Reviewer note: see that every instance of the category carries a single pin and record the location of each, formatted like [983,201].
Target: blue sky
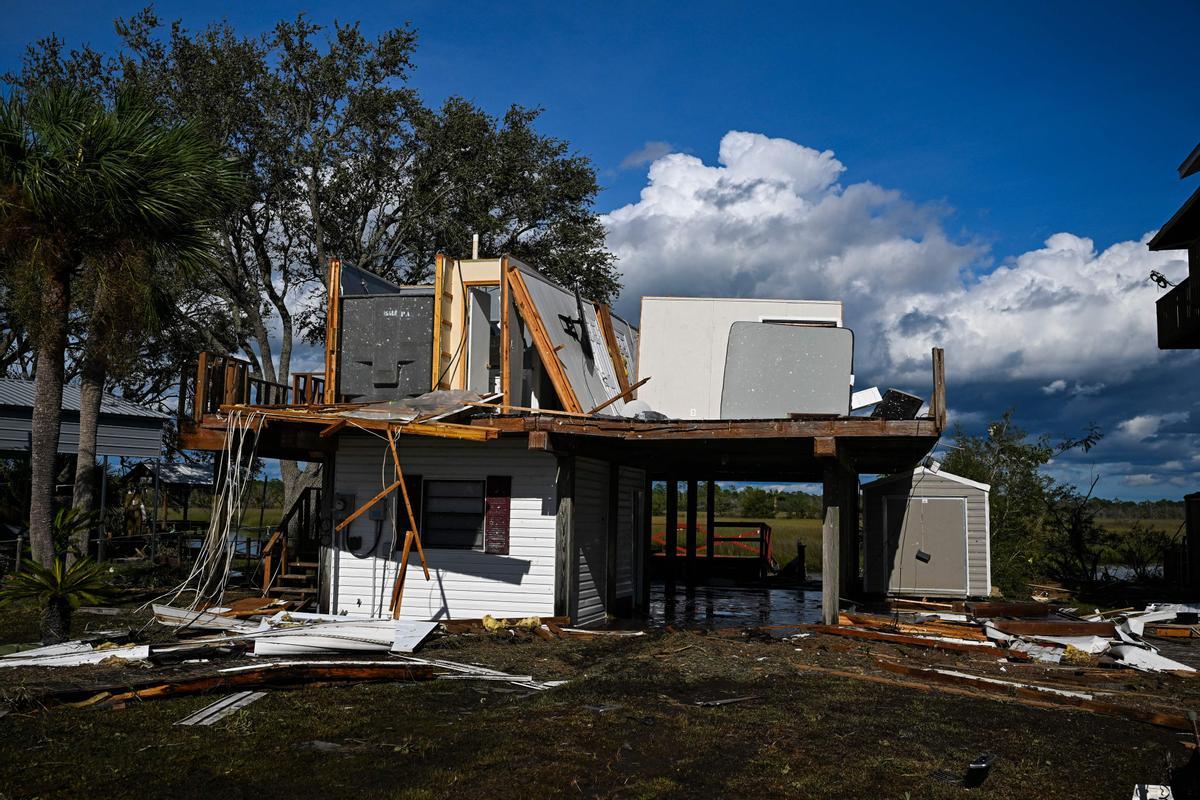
[963,137]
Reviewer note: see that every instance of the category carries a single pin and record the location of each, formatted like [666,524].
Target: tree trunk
[91,390]
[56,621]
[47,412]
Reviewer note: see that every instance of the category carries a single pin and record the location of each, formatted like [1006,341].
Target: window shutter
[495,521]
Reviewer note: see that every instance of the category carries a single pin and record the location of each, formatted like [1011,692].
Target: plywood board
[773,370]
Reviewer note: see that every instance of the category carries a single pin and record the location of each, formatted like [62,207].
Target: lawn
[625,726]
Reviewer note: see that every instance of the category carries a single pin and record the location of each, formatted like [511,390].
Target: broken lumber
[1000,609]
[1052,628]
[1045,696]
[915,641]
[279,674]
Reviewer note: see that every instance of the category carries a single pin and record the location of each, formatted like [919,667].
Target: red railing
[752,540]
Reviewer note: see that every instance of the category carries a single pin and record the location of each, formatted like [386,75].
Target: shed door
[928,539]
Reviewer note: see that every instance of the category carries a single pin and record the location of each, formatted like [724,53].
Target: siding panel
[464,583]
[591,540]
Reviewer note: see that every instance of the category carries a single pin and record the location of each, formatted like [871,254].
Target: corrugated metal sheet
[465,584]
[19,394]
[133,437]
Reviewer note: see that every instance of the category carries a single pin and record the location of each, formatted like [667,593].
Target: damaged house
[488,443]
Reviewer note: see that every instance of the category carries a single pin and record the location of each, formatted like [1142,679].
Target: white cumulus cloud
[773,218]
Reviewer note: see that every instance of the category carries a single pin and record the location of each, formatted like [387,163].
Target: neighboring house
[1179,322]
[125,428]
[526,456]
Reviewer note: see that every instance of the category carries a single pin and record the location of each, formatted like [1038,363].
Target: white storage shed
[927,534]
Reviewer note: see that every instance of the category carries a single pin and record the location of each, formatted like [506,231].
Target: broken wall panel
[576,340]
[774,370]
[684,341]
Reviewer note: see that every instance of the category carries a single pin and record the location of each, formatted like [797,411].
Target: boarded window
[454,514]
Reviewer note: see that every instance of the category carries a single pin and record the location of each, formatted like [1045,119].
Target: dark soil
[626,725]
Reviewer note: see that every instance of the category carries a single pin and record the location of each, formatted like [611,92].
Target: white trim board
[921,471]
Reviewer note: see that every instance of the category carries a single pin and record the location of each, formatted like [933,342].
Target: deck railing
[221,380]
[1179,317]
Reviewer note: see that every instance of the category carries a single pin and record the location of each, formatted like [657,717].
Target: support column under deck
[671,543]
[692,503]
[839,532]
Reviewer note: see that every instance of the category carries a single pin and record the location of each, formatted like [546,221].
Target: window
[453,514]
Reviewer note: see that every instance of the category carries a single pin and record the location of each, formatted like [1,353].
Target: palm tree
[85,184]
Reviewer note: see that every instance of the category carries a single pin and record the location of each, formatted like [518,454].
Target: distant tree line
[747,501]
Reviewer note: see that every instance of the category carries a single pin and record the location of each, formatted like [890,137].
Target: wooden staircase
[291,566]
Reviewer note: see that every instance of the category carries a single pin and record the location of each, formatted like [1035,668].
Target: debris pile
[1031,632]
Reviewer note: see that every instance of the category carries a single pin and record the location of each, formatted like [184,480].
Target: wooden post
[937,403]
[831,547]
[333,327]
[505,345]
[692,503]
[848,533]
[672,531]
[200,391]
[647,522]
[710,523]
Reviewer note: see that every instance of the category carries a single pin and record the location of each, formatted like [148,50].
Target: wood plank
[937,405]
[505,344]
[438,321]
[621,396]
[916,641]
[412,520]
[1001,609]
[1052,628]
[616,427]
[333,329]
[365,507]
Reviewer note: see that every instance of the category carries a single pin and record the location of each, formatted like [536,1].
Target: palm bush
[59,589]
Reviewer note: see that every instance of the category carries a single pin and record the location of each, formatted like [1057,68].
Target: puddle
[732,607]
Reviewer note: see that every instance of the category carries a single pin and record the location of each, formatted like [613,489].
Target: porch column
[710,525]
[672,531]
[692,503]
[839,534]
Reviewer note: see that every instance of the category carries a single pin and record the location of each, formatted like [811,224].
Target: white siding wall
[591,540]
[465,584]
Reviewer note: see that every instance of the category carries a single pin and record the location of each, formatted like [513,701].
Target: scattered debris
[222,708]
[727,701]
[74,654]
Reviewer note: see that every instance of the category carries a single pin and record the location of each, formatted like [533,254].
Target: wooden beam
[604,317]
[541,339]
[937,405]
[438,321]
[333,428]
[622,396]
[366,506]
[333,329]
[414,529]
[401,574]
[825,447]
[505,344]
[642,430]
[539,440]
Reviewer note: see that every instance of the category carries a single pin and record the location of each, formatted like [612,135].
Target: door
[927,537]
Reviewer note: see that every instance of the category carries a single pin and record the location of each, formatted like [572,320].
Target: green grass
[1169,526]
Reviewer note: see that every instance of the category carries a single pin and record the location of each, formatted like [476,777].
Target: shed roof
[17,393]
[924,471]
[1180,230]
